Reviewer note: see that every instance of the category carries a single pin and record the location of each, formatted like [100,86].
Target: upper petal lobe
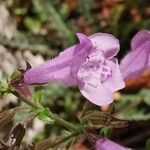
[136,61]
[106,43]
[140,38]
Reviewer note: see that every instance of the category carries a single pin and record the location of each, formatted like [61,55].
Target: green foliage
[15,74]
[60,23]
[106,132]
[22,115]
[147,145]
[44,114]
[20,11]
[32,24]
[145,94]
[65,97]
[3,89]
[134,106]
[38,97]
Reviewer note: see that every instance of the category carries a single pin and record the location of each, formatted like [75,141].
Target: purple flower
[106,144]
[138,60]
[92,67]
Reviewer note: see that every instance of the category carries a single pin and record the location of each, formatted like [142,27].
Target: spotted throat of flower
[95,69]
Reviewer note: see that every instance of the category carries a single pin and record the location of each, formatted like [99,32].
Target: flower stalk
[55,117]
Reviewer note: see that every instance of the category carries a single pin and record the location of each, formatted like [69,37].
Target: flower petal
[136,61]
[102,93]
[81,52]
[106,144]
[98,95]
[115,82]
[59,68]
[140,38]
[107,43]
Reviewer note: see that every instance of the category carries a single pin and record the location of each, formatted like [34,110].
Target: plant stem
[27,101]
[56,118]
[63,122]
[64,139]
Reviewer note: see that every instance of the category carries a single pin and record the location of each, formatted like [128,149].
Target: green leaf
[106,131]
[147,145]
[20,11]
[134,107]
[15,74]
[2,86]
[145,94]
[20,115]
[3,89]
[32,24]
[38,97]
[44,114]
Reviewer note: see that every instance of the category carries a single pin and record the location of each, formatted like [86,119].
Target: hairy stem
[56,118]
[61,121]
[26,100]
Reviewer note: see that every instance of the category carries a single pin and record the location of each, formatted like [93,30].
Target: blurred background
[37,30]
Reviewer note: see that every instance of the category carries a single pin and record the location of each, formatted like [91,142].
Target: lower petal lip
[97,95]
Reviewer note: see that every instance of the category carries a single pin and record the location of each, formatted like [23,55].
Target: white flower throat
[95,69]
